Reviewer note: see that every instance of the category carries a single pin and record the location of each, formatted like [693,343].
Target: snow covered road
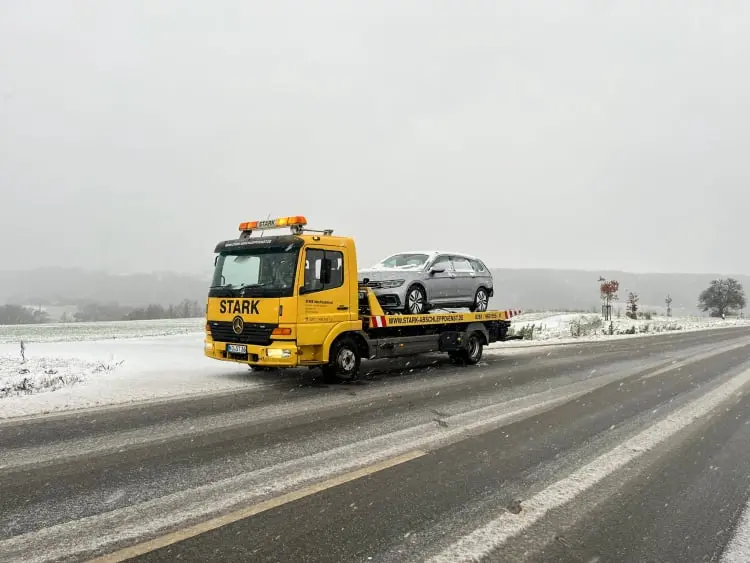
[558,453]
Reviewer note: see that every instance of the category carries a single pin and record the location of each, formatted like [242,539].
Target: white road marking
[676,365]
[738,549]
[483,541]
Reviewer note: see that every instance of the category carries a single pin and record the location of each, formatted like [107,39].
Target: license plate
[236,349]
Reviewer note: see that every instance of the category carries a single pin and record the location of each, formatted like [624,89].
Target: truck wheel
[416,301]
[474,349]
[471,353]
[344,360]
[481,301]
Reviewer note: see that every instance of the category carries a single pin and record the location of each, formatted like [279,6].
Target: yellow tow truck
[295,300]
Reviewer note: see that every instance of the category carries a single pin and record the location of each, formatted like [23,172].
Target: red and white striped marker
[378,321]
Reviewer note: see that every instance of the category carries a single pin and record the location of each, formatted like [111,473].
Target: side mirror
[437,270]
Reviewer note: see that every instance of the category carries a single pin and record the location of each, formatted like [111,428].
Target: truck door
[323,296]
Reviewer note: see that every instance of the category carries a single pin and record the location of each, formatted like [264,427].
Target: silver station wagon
[415,282]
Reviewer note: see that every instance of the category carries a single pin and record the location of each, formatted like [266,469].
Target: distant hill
[529,289]
[541,289]
[67,286]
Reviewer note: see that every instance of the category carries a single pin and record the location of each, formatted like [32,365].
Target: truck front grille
[252,333]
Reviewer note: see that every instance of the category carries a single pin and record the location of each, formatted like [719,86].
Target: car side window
[324,269]
[443,262]
[462,264]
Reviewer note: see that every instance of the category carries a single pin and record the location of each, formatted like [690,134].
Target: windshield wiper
[241,286]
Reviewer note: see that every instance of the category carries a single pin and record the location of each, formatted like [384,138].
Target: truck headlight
[390,284]
[278,353]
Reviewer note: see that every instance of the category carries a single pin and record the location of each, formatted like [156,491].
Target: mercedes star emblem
[237,325]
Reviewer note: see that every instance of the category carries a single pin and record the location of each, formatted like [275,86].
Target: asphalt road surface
[628,450]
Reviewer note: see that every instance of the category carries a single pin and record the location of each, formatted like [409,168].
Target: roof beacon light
[296,223]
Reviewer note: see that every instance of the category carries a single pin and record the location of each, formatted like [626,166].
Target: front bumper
[280,353]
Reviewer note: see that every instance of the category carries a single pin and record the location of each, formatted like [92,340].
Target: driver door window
[324,269]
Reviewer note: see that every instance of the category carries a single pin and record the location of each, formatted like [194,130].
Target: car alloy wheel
[481,301]
[415,301]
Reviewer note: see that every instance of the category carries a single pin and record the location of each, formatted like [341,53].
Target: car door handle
[342,307]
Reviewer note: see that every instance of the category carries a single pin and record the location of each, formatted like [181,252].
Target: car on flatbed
[295,300]
[416,282]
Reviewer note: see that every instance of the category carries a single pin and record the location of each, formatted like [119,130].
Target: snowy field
[562,327]
[99,331]
[71,366]
[95,364]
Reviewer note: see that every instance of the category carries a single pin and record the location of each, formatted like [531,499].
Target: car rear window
[478,266]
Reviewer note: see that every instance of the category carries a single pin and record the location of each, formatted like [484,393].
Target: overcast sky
[135,134]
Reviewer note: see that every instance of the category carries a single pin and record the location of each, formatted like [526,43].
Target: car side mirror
[437,270]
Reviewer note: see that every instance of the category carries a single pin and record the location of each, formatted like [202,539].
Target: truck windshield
[255,273]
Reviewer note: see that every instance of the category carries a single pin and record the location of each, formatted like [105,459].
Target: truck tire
[415,301]
[344,360]
[471,354]
[481,301]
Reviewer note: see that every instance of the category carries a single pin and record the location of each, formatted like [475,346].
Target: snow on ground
[563,327]
[99,331]
[70,366]
[117,363]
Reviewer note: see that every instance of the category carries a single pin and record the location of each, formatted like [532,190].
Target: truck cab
[281,300]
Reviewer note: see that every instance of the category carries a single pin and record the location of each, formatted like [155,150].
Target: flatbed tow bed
[290,301]
[461,335]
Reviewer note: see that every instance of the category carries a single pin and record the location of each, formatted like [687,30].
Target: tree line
[99,312]
[18,315]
